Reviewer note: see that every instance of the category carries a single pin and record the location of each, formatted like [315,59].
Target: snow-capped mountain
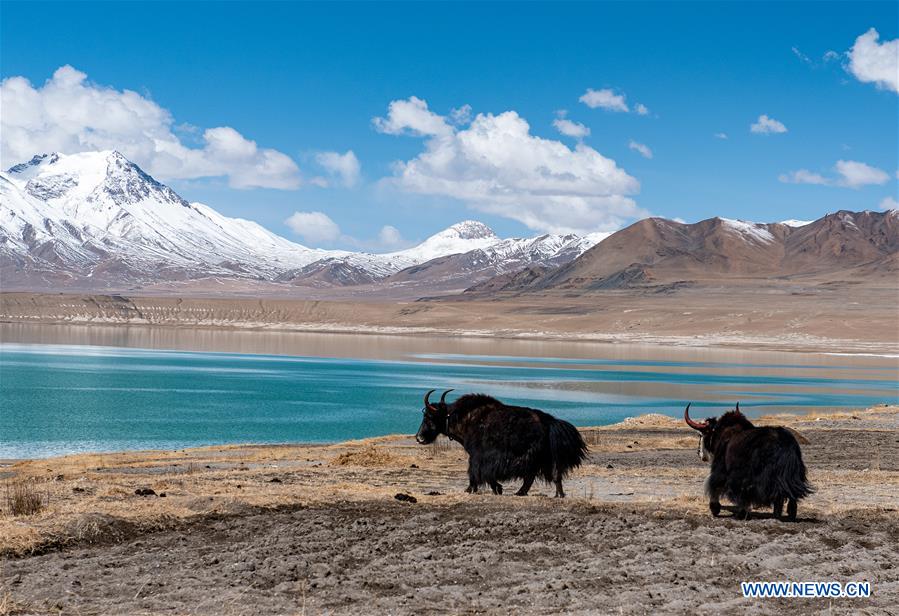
[464,253]
[460,238]
[500,257]
[76,213]
[362,268]
[96,217]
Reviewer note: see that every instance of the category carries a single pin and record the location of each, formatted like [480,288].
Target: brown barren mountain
[655,251]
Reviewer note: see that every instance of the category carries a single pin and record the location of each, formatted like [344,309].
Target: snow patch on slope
[750,230]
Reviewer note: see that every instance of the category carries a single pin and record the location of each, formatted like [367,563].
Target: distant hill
[656,251]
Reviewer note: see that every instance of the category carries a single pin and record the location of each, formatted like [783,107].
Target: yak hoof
[521,493]
[497,488]
[791,510]
[741,514]
[471,490]
[715,508]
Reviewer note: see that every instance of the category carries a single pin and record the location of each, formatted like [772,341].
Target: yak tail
[791,478]
[566,446]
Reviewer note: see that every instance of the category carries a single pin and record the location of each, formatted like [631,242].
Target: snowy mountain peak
[73,180]
[127,183]
[461,237]
[29,168]
[469,230]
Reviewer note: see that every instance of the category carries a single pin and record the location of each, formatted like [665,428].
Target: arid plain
[782,315]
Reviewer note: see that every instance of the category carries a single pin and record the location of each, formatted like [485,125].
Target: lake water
[67,389]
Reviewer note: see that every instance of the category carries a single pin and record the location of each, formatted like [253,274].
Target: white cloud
[609,100]
[829,56]
[605,98]
[412,116]
[461,115]
[803,176]
[720,135]
[889,203]
[855,174]
[495,165]
[847,174]
[873,62]
[313,227]
[70,114]
[390,236]
[644,150]
[571,129]
[765,126]
[802,57]
[568,127]
[345,166]
[318,228]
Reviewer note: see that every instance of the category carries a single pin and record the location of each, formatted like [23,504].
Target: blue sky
[303,79]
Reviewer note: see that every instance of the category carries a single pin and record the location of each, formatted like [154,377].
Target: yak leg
[714,501]
[496,487]
[528,482]
[791,510]
[473,480]
[743,511]
[714,487]
[560,493]
[778,507]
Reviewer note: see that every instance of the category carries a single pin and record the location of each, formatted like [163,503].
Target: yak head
[433,422]
[714,430]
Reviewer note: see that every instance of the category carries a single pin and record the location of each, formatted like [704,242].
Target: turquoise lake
[65,398]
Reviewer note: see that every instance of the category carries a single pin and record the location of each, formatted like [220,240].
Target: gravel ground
[328,536]
[487,555]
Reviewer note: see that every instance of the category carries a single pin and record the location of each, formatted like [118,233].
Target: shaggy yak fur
[751,467]
[504,442]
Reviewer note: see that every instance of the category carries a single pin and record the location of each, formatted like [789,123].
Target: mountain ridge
[96,218]
[657,251]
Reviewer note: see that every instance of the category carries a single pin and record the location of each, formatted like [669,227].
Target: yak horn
[738,409]
[694,424]
[428,405]
[443,397]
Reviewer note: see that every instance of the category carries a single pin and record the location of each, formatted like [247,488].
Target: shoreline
[779,344]
[773,320]
[643,419]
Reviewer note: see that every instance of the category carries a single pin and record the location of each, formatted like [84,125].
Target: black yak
[504,442]
[752,467]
